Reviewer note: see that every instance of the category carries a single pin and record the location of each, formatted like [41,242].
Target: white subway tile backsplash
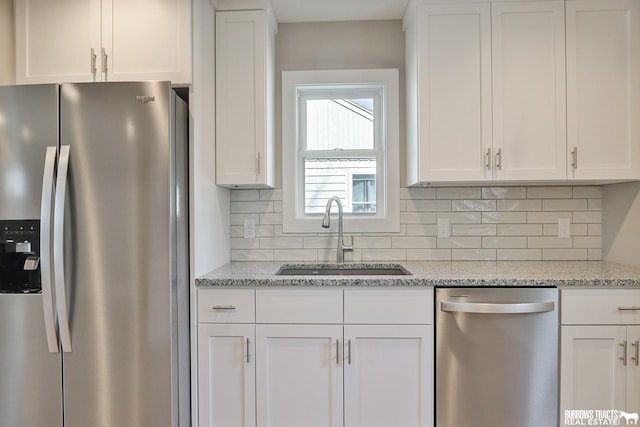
[428,254]
[473,254]
[488,223]
[519,254]
[549,192]
[587,192]
[504,217]
[519,229]
[251,207]
[518,205]
[458,192]
[564,255]
[504,192]
[564,205]
[459,242]
[504,242]
[428,205]
[473,205]
[417,193]
[414,242]
[473,230]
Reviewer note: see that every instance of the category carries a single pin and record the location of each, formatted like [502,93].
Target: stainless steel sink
[342,270]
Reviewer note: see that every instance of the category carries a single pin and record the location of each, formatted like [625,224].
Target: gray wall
[7,44]
[338,45]
[621,223]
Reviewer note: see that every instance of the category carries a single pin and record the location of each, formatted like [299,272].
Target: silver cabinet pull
[349,347]
[487,157]
[93,61]
[223,307]
[574,158]
[337,352]
[628,308]
[499,159]
[248,352]
[624,353]
[489,308]
[104,61]
[636,357]
[259,160]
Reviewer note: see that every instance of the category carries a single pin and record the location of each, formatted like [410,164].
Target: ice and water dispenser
[20,256]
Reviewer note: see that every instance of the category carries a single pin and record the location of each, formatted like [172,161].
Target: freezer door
[30,376]
[28,124]
[120,257]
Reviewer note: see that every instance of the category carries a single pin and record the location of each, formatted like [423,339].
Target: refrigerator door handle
[497,308]
[45,249]
[58,249]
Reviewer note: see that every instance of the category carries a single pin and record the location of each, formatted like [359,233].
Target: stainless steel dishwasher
[496,357]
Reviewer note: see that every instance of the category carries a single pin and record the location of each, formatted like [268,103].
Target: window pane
[364,193]
[339,123]
[352,180]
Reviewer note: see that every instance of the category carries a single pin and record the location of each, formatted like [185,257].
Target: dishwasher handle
[497,308]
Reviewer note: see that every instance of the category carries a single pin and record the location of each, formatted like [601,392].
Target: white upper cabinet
[245,98]
[603,89]
[529,108]
[485,91]
[448,53]
[108,40]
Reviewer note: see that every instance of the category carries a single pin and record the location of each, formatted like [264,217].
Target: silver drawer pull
[223,307]
[631,308]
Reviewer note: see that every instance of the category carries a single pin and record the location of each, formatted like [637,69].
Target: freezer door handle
[58,248]
[45,249]
[497,308]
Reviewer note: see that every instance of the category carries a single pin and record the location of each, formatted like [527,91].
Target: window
[340,138]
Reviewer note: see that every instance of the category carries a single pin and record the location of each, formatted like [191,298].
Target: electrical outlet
[564,227]
[443,228]
[249,229]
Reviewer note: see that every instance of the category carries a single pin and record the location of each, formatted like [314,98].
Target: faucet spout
[326,223]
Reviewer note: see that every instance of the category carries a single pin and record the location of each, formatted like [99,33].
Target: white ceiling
[338,10]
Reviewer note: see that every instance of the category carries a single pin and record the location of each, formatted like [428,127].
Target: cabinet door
[388,375]
[633,369]
[299,375]
[244,98]
[226,374]
[592,372]
[147,40]
[54,40]
[529,108]
[454,92]
[603,88]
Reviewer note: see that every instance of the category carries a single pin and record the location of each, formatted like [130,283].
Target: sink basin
[342,270]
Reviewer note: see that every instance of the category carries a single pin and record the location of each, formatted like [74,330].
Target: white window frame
[387,216]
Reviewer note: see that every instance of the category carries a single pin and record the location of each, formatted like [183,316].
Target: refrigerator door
[120,257]
[30,376]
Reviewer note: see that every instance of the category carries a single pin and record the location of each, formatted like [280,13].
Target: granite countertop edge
[437,273]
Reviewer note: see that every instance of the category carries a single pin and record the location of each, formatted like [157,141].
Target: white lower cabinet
[226,370]
[299,375]
[600,345]
[388,375]
[328,367]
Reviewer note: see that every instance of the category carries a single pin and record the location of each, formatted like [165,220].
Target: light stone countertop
[438,273]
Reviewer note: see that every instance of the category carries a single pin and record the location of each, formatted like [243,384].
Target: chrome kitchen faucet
[326,223]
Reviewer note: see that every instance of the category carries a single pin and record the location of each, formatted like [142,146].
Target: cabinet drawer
[388,306]
[600,306]
[299,306]
[226,306]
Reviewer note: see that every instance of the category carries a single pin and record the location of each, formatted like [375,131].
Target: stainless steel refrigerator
[93,256]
